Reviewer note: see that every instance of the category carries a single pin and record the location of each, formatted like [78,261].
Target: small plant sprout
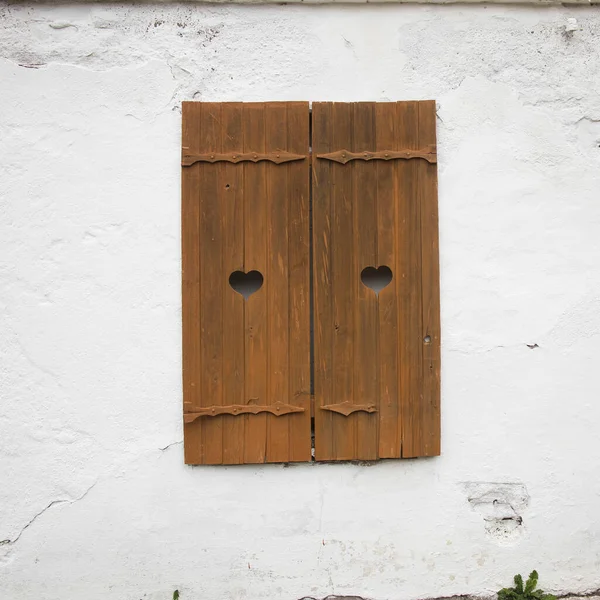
[527,592]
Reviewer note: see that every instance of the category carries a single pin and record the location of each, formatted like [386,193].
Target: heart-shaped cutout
[246,283]
[376,278]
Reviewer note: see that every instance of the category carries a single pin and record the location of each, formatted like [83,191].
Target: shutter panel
[377,355]
[246,366]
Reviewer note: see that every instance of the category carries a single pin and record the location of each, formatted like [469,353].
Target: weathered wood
[236,351]
[366,340]
[409,276]
[387,254]
[343,280]
[377,354]
[322,127]
[375,214]
[211,293]
[430,291]
[298,194]
[190,288]
[277,277]
[255,254]
[232,184]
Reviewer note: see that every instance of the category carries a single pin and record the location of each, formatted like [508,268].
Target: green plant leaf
[519,584]
[527,592]
[531,582]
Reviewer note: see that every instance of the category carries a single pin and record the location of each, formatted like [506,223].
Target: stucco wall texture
[95,501]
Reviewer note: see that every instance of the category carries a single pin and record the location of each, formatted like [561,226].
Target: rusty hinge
[346,408]
[187,160]
[344,156]
[277,409]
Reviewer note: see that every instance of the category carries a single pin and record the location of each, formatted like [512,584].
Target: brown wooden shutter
[245,195]
[377,356]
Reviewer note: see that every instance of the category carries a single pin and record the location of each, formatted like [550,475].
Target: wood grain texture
[366,353]
[430,293]
[322,127]
[211,296]
[344,279]
[190,288]
[387,254]
[373,349]
[232,184]
[236,351]
[409,315]
[298,194]
[255,254]
[322,183]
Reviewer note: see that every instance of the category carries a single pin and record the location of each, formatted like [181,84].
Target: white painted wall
[95,501]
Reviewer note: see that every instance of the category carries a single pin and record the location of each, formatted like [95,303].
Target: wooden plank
[430,333]
[231,183]
[409,282]
[387,214]
[344,279]
[365,243]
[299,265]
[211,288]
[323,302]
[255,258]
[190,292]
[277,291]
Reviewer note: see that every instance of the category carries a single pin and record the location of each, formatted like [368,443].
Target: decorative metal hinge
[344,156]
[346,408]
[187,160]
[277,409]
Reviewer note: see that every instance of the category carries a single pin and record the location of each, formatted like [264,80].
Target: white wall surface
[95,501]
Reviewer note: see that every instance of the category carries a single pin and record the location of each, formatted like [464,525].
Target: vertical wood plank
[387,194]
[232,207]
[365,240]
[430,333]
[344,279]
[190,293]
[299,265]
[211,288]
[277,259]
[255,255]
[323,302]
[409,282]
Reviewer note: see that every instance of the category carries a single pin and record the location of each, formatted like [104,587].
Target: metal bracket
[344,156]
[277,409]
[346,408]
[187,160]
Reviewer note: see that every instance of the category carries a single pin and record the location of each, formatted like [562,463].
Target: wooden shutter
[377,356]
[245,195]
